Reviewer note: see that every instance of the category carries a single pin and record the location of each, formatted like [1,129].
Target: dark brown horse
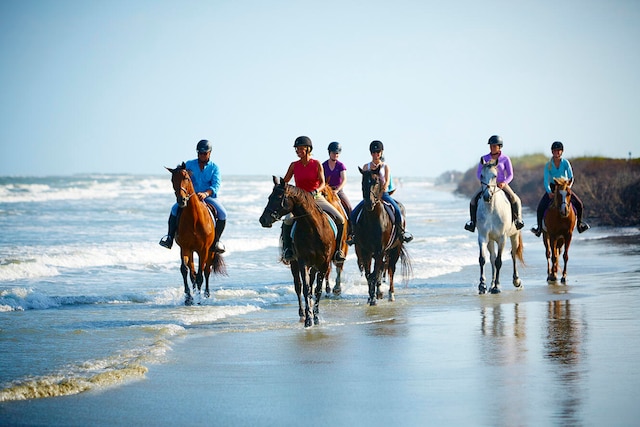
[376,239]
[557,229]
[314,243]
[196,232]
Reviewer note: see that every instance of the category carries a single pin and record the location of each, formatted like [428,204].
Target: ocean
[90,301]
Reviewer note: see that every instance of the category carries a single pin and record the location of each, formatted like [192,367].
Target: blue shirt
[550,172]
[205,179]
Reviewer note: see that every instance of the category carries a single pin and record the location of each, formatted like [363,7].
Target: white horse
[495,224]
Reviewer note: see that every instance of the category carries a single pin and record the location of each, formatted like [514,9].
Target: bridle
[489,187]
[374,192]
[183,200]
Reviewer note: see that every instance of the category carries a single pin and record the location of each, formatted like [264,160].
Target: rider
[309,176]
[505,175]
[558,167]
[205,176]
[376,148]
[335,174]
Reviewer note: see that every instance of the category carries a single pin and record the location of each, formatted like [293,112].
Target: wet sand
[547,355]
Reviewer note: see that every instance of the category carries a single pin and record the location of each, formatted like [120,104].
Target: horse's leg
[379,269]
[496,263]
[207,273]
[482,287]
[297,284]
[337,288]
[188,299]
[514,245]
[307,292]
[565,256]
[547,251]
[555,250]
[391,271]
[316,306]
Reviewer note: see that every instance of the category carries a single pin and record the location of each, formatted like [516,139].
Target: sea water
[88,299]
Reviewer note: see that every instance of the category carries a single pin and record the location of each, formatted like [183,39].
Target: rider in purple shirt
[505,176]
[335,174]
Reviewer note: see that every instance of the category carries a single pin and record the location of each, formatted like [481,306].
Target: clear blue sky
[110,86]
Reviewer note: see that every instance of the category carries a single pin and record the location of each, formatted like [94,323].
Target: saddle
[388,207]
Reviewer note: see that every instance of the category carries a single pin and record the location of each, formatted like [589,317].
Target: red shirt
[306,177]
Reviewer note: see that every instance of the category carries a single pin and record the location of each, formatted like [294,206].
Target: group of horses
[376,241]
[378,244]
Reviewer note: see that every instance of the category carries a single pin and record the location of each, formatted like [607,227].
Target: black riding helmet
[303,141]
[334,147]
[204,146]
[375,146]
[557,146]
[495,140]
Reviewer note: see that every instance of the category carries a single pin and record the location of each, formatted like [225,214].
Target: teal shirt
[551,172]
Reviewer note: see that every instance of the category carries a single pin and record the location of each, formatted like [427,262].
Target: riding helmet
[557,146]
[303,141]
[495,140]
[204,146]
[375,146]
[335,147]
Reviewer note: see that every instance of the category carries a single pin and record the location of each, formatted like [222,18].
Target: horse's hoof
[337,290]
[207,294]
[482,290]
[563,280]
[517,283]
[308,323]
[316,320]
[379,295]
[372,302]
[188,301]
[495,290]
[392,297]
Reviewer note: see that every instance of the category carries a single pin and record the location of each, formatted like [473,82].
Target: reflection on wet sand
[563,348]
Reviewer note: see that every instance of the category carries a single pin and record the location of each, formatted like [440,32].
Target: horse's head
[182,185]
[562,196]
[371,187]
[489,180]
[278,204]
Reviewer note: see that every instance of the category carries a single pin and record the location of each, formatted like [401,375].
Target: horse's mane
[306,199]
[562,182]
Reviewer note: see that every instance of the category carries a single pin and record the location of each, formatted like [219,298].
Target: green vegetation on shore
[609,188]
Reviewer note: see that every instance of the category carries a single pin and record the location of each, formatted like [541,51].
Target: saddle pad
[388,207]
[331,223]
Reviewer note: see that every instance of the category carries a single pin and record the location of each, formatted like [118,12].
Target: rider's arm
[320,178]
[289,173]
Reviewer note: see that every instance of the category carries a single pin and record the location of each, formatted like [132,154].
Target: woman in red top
[309,176]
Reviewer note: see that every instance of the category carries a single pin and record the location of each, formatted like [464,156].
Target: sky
[131,86]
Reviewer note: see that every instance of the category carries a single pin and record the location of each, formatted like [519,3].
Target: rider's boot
[287,243]
[167,241]
[406,237]
[582,226]
[339,255]
[218,247]
[471,225]
[519,223]
[536,230]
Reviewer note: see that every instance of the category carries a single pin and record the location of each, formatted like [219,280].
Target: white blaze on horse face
[563,206]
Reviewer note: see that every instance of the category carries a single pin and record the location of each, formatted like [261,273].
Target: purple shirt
[505,170]
[332,177]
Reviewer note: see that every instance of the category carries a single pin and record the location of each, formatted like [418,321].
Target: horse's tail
[519,251]
[218,265]
[406,269]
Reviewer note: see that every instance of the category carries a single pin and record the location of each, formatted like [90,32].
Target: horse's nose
[265,222]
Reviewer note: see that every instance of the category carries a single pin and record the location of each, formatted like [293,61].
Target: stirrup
[351,239]
[537,231]
[519,224]
[339,256]
[583,226]
[166,242]
[470,226]
[218,248]
[287,255]
[407,237]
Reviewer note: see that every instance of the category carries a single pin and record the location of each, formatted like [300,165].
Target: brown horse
[196,232]
[557,229]
[314,243]
[376,239]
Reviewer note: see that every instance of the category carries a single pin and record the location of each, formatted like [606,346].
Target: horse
[376,239]
[314,243]
[195,233]
[495,225]
[557,229]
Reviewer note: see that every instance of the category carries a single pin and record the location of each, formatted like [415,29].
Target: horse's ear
[360,169]
[169,169]
[482,162]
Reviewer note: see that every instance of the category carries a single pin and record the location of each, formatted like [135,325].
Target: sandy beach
[547,355]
